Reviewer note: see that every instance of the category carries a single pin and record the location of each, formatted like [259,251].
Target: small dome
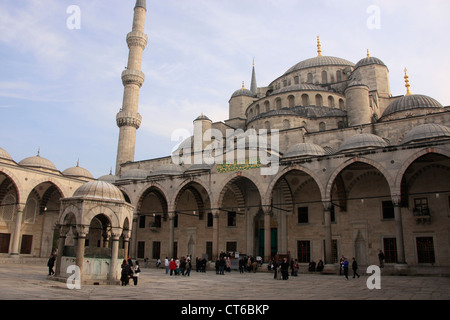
[426,131]
[304,149]
[4,154]
[243,92]
[368,61]
[134,174]
[168,169]
[409,102]
[77,172]
[363,140]
[38,162]
[99,190]
[320,61]
[110,178]
[202,117]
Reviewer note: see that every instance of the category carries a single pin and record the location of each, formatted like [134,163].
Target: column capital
[327,204]
[396,199]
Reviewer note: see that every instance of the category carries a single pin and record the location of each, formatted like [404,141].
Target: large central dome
[320,61]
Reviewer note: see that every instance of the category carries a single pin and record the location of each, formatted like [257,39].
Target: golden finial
[368,53]
[319,47]
[243,86]
[253,61]
[407,85]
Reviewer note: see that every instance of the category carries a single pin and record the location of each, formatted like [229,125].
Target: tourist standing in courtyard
[137,271]
[345,268]
[354,268]
[166,264]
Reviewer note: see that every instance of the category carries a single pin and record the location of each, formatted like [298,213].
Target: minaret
[253,85]
[128,119]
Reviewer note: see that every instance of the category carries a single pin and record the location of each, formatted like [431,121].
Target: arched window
[324,77]
[331,101]
[286,124]
[296,80]
[319,100]
[278,103]
[341,125]
[8,207]
[291,101]
[257,111]
[30,211]
[267,106]
[305,100]
[341,104]
[339,75]
[267,125]
[250,114]
[310,78]
[322,126]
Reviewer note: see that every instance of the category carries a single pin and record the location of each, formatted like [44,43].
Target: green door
[273,242]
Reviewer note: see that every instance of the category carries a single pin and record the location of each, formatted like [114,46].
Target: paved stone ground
[29,282]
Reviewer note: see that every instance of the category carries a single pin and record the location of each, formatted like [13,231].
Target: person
[222,264]
[354,268]
[126,273]
[173,267]
[320,266]
[312,266]
[136,272]
[381,258]
[188,267]
[158,263]
[217,265]
[183,266]
[51,264]
[341,262]
[241,265]
[285,269]
[345,268]
[166,264]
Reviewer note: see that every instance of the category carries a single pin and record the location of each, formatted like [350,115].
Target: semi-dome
[304,149]
[320,61]
[99,190]
[4,154]
[369,61]
[362,141]
[38,162]
[78,172]
[426,131]
[410,102]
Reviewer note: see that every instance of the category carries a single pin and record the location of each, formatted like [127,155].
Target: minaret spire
[128,119]
[407,85]
[253,85]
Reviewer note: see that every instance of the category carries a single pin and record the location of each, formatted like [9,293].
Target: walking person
[341,262]
[354,268]
[137,271]
[51,264]
[381,258]
[126,273]
[285,269]
[345,268]
[166,264]
[188,267]
[173,267]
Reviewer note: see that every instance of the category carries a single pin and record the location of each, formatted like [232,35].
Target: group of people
[130,271]
[344,266]
[178,267]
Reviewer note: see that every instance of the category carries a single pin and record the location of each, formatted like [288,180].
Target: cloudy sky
[60,85]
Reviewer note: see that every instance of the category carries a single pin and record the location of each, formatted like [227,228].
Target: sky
[61,63]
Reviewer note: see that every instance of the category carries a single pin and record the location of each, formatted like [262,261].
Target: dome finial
[407,85]
[368,53]
[39,152]
[243,85]
[319,47]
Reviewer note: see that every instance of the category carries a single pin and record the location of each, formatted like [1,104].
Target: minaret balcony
[135,77]
[137,39]
[129,119]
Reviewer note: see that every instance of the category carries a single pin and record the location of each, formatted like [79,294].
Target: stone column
[328,232]
[114,254]
[267,234]
[82,232]
[61,242]
[215,240]
[126,242]
[396,200]
[133,243]
[17,231]
[171,234]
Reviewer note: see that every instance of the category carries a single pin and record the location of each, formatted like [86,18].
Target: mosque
[319,163]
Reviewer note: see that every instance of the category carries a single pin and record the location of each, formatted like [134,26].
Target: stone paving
[29,282]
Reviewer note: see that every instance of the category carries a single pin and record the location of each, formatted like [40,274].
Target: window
[339,75]
[156,252]
[334,251]
[209,249]
[296,80]
[324,77]
[303,215]
[291,101]
[267,106]
[425,250]
[319,100]
[390,250]
[8,207]
[30,211]
[278,103]
[141,222]
[210,221]
[305,100]
[26,245]
[331,102]
[388,210]
[304,251]
[286,124]
[157,221]
[322,126]
[231,219]
[310,78]
[232,246]
[141,250]
[4,242]
[175,221]
[421,207]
